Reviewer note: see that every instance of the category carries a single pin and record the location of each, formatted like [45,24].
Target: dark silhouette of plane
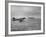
[18,19]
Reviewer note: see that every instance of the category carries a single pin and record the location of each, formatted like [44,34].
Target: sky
[21,11]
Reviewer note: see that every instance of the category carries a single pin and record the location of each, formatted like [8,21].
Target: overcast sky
[17,11]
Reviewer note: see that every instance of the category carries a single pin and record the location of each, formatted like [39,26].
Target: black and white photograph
[25,18]
[22,18]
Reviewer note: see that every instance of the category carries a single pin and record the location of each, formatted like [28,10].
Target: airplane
[18,19]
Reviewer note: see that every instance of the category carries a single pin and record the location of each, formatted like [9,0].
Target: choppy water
[26,25]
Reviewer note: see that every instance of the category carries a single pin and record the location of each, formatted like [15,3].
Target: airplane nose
[13,19]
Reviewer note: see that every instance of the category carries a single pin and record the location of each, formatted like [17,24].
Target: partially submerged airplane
[18,19]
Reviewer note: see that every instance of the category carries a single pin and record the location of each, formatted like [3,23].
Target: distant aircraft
[18,19]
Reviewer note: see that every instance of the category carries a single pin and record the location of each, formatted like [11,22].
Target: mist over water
[20,11]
